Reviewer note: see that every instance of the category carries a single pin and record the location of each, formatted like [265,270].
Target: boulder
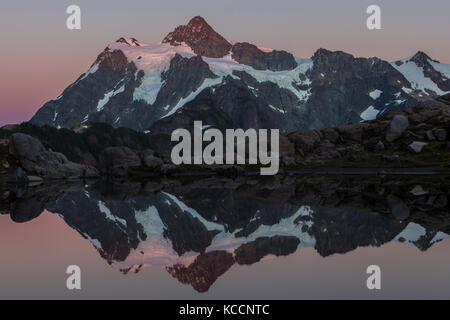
[36,160]
[305,141]
[330,134]
[417,146]
[430,135]
[353,132]
[115,161]
[397,126]
[440,134]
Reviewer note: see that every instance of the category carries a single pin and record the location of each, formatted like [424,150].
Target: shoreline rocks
[40,163]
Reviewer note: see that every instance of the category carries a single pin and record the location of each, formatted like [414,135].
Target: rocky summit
[201,37]
[197,74]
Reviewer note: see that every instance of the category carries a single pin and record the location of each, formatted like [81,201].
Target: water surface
[281,238]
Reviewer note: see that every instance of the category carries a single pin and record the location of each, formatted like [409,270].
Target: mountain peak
[131,41]
[201,37]
[421,58]
[198,21]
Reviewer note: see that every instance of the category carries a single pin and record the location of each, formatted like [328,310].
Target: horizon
[64,55]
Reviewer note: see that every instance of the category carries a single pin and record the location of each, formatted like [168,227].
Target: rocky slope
[197,72]
[414,137]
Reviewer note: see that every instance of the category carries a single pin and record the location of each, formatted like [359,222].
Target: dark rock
[36,160]
[352,132]
[17,176]
[150,160]
[287,148]
[430,135]
[204,271]
[249,54]
[330,134]
[201,37]
[379,146]
[305,141]
[115,161]
[441,201]
[326,150]
[440,134]
[254,251]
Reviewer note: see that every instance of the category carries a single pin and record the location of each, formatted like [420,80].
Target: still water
[278,238]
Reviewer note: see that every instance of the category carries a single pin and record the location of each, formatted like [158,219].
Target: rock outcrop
[31,155]
[115,161]
[201,37]
[251,55]
[414,137]
[204,271]
[396,128]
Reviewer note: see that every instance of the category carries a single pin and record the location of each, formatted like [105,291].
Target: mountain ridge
[126,85]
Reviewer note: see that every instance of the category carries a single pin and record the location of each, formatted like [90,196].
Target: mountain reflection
[198,230]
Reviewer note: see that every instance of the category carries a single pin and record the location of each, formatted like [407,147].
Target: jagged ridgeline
[197,74]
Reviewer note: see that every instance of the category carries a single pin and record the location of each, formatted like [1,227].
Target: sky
[39,56]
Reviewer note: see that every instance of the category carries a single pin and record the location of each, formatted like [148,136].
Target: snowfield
[154,59]
[415,75]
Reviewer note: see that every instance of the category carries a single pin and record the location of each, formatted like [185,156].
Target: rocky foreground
[414,138]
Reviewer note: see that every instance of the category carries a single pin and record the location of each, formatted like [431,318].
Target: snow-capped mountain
[427,77]
[196,74]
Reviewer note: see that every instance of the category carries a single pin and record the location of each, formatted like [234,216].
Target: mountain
[196,74]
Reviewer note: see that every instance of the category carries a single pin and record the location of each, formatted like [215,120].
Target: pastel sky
[39,56]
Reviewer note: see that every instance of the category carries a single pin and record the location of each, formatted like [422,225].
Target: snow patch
[411,233]
[102,102]
[209,225]
[206,83]
[375,94]
[369,114]
[276,109]
[103,208]
[441,68]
